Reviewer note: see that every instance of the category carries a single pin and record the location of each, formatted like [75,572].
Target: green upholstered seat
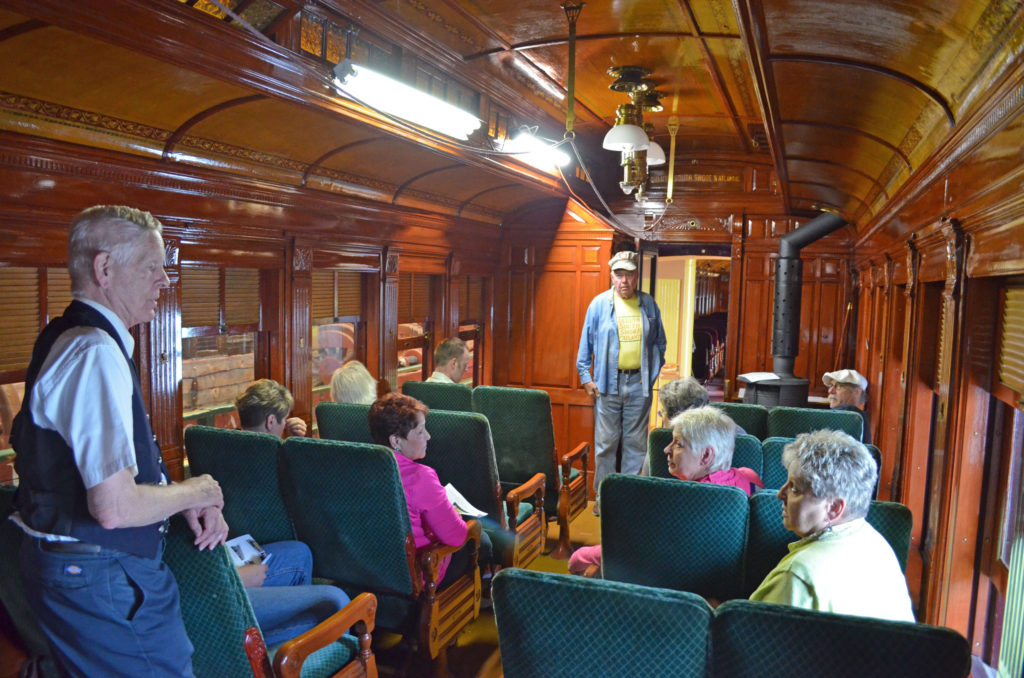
[344,421]
[747,453]
[461,452]
[524,445]
[767,539]
[674,534]
[12,594]
[753,418]
[348,505]
[440,396]
[217,612]
[876,454]
[790,422]
[562,625]
[754,639]
[895,522]
[657,462]
[774,474]
[246,466]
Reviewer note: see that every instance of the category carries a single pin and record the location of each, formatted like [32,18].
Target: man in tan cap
[623,340]
[848,390]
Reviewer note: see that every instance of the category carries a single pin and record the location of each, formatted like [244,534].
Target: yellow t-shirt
[631,331]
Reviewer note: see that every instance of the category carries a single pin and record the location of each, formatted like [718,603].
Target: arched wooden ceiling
[844,99]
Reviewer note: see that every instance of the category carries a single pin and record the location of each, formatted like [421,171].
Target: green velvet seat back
[349,507]
[12,593]
[674,534]
[876,454]
[214,604]
[524,436]
[245,464]
[747,453]
[774,474]
[461,452]
[894,522]
[657,441]
[562,625]
[753,418]
[790,422]
[754,639]
[768,540]
[344,421]
[439,396]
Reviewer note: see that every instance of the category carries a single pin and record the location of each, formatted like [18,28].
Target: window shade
[241,296]
[200,297]
[19,308]
[58,291]
[1011,349]
[336,294]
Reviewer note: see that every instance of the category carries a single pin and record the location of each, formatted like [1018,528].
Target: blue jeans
[287,605]
[621,416]
[107,614]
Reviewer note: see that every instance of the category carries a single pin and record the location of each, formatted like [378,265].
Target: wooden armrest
[581,453]
[430,557]
[592,571]
[533,486]
[360,612]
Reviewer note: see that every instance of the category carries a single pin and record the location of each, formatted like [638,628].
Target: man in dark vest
[94,493]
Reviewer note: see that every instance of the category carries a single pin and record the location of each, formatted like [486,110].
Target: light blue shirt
[599,343]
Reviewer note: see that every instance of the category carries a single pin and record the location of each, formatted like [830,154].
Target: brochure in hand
[245,551]
[461,504]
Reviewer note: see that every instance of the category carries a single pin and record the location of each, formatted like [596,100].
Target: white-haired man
[848,390]
[94,494]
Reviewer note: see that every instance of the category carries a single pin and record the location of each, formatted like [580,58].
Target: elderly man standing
[450,359]
[623,340]
[94,493]
[848,390]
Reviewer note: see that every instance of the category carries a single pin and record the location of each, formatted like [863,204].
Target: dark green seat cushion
[790,422]
[344,421]
[440,396]
[752,418]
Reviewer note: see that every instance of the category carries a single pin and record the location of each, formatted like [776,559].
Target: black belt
[636,371]
[76,547]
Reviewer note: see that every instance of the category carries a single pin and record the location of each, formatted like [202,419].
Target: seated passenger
[840,564]
[353,383]
[848,390]
[450,359]
[285,602]
[701,450]
[399,422]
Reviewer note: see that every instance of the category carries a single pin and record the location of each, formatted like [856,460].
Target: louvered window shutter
[1011,349]
[350,293]
[19,308]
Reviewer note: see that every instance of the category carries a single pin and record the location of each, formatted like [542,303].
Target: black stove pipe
[788,282]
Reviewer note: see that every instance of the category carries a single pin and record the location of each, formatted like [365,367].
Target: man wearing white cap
[623,340]
[848,390]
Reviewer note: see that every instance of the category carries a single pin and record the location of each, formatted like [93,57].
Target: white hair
[833,465]
[707,427]
[116,229]
[353,383]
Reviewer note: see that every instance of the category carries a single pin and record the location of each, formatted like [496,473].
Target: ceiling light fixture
[535,151]
[629,136]
[395,98]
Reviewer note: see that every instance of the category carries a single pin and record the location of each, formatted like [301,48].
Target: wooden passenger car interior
[903,118]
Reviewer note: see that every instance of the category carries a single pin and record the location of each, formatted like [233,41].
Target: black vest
[51,497]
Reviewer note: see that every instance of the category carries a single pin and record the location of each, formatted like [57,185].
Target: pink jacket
[433,518]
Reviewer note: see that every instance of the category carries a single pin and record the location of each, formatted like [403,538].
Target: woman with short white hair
[353,383]
[841,564]
[701,450]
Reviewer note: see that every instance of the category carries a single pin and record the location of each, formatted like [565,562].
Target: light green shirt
[849,569]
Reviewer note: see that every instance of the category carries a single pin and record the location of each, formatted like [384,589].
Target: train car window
[220,326]
[32,297]
[415,324]
[472,318]
[339,330]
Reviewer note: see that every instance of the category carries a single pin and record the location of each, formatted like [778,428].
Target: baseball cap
[852,377]
[623,260]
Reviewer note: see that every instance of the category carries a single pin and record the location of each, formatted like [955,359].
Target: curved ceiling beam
[477,195]
[855,130]
[203,115]
[22,28]
[323,158]
[398,191]
[831,188]
[831,163]
[816,206]
[928,90]
[552,42]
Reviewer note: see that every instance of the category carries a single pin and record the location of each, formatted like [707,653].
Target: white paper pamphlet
[460,503]
[245,551]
